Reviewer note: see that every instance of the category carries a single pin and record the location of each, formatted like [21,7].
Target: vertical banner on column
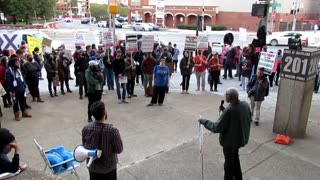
[106,39]
[79,39]
[131,43]
[147,43]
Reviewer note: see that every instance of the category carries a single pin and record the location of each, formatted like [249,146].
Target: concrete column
[295,92]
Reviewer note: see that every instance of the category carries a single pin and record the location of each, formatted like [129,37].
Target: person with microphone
[234,129]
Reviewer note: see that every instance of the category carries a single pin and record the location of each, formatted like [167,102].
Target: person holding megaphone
[103,136]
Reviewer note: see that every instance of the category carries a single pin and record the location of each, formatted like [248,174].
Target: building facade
[231,13]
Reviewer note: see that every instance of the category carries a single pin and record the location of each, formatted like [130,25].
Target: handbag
[150,90]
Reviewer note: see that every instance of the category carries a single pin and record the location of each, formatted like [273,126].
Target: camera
[295,43]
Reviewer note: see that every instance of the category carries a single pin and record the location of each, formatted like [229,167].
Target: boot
[51,95]
[39,100]
[16,116]
[25,114]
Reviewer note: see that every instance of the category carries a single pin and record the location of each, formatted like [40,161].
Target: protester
[7,143]
[200,68]
[236,58]
[105,137]
[161,80]
[94,79]
[230,56]
[130,69]
[32,69]
[279,59]
[66,62]
[186,67]
[214,67]
[3,66]
[138,58]
[234,128]
[108,71]
[147,67]
[76,56]
[175,57]
[256,89]
[80,67]
[52,73]
[120,76]
[17,88]
[246,66]
[38,59]
[170,49]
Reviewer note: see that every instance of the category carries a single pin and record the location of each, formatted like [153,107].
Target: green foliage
[194,27]
[123,11]
[99,11]
[74,3]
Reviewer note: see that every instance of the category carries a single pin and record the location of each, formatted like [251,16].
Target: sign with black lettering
[191,43]
[267,61]
[300,65]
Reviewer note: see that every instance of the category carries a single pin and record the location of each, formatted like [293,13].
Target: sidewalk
[161,142]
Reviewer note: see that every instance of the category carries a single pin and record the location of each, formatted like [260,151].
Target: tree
[99,11]
[123,11]
[74,5]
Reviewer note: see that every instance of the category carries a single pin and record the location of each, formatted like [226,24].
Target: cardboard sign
[131,43]
[33,43]
[191,43]
[267,61]
[202,43]
[46,42]
[106,39]
[243,34]
[147,43]
[79,39]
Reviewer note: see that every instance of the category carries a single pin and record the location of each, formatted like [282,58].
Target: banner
[106,39]
[131,43]
[202,43]
[147,43]
[160,9]
[191,43]
[79,39]
[33,43]
[267,61]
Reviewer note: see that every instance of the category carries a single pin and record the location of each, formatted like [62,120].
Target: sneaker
[125,102]
[187,92]
[211,90]
[256,123]
[119,101]
[129,96]
[81,97]
[271,88]
[103,93]
[69,91]
[134,95]
[160,104]
[151,104]
[182,92]
[216,90]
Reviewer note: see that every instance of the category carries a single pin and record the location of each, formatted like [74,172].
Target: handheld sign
[267,61]
[191,43]
[106,39]
[33,43]
[79,39]
[202,43]
[147,43]
[131,43]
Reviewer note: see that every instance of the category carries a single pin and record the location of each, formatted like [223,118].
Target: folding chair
[59,166]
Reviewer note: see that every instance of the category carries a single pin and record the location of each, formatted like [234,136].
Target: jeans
[244,82]
[130,86]
[203,80]
[20,100]
[50,85]
[232,166]
[93,97]
[277,75]
[256,104]
[227,68]
[33,85]
[7,97]
[108,75]
[109,176]
[175,65]
[82,83]
[118,86]
[147,82]
[214,79]
[158,94]
[271,77]
[185,82]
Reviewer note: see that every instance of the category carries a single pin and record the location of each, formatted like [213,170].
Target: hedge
[194,27]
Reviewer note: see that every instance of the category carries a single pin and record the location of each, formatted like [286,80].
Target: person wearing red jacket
[214,67]
[3,66]
[200,68]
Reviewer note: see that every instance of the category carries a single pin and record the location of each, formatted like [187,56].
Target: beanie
[5,138]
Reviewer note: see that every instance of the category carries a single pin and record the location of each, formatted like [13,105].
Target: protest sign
[147,43]
[191,43]
[106,39]
[33,43]
[131,43]
[202,43]
[79,39]
[267,61]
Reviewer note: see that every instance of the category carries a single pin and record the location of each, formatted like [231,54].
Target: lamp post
[202,28]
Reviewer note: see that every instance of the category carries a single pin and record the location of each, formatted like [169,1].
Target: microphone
[221,108]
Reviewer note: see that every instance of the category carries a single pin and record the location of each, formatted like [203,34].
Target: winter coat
[260,89]
[183,66]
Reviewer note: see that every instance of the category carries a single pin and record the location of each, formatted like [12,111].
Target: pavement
[161,142]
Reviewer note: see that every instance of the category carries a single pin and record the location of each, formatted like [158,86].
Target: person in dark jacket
[80,67]
[7,143]
[228,63]
[256,89]
[38,59]
[246,69]
[3,66]
[130,69]
[138,58]
[234,128]
[147,68]
[94,79]
[52,72]
[16,86]
[32,78]
[186,67]
[119,74]
[108,71]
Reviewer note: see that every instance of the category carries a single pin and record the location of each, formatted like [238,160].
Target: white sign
[106,39]
[160,9]
[243,34]
[131,43]
[208,28]
[191,43]
[147,43]
[79,39]
[202,43]
[267,61]
[201,132]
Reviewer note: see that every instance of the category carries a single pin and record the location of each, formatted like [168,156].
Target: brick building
[231,13]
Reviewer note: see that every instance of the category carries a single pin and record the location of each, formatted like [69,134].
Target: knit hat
[93,63]
[5,138]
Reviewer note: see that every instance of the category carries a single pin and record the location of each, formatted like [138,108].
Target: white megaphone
[80,154]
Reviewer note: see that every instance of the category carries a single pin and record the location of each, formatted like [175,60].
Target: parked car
[282,38]
[85,21]
[141,27]
[68,19]
[117,24]
[102,24]
[154,26]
